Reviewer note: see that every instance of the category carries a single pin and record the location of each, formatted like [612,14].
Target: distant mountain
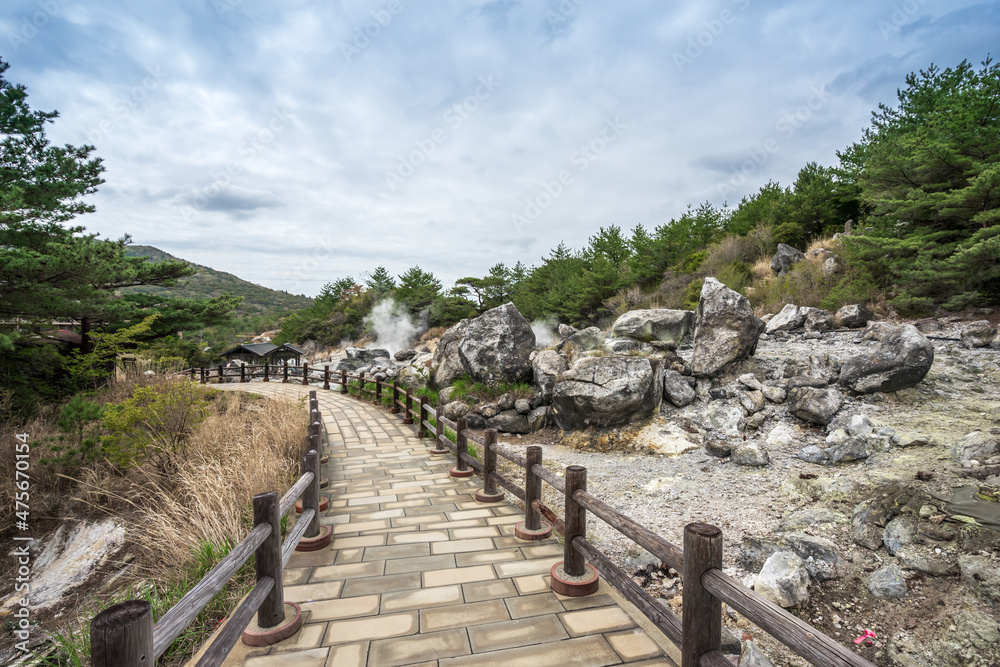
[208,282]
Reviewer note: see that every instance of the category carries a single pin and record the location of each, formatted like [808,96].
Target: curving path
[419,573]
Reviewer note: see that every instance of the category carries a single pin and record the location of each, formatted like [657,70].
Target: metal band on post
[532,528]
[573,576]
[489,494]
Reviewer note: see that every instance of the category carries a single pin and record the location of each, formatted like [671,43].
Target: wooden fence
[698,635]
[124,635]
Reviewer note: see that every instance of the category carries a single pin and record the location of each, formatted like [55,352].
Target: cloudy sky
[295,142]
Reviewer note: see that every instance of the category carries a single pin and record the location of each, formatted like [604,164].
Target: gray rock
[830,267]
[818,319]
[815,405]
[607,391]
[446,364]
[676,389]
[995,343]
[755,421]
[489,410]
[774,394]
[622,345]
[720,447]
[785,258]
[505,402]
[538,419]
[976,446]
[899,532]
[350,365]
[749,453]
[783,580]
[867,524]
[859,425]
[978,334]
[726,330]
[444,396]
[659,324]
[510,422]
[901,360]
[789,318]
[723,417]
[752,401]
[752,656]
[455,409]
[813,454]
[810,518]
[522,406]
[547,366]
[585,340]
[565,331]
[976,629]
[820,556]
[497,346]
[750,382]
[887,583]
[926,560]
[405,355]
[731,644]
[476,420]
[981,575]
[849,449]
[853,317]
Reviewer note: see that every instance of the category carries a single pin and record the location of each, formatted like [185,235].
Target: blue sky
[297,142]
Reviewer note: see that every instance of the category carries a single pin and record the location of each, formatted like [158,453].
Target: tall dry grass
[247,446]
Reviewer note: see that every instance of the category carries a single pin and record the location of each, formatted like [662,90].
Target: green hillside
[208,282]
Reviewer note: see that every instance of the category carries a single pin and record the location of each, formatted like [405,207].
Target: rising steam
[393,327]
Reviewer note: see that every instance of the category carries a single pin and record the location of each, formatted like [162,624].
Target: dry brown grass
[432,333]
[825,242]
[761,270]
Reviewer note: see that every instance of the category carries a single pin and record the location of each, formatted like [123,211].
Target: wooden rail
[124,635]
[706,587]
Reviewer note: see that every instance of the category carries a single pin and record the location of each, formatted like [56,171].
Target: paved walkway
[419,573]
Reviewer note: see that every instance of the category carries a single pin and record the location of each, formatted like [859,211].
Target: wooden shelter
[257,353]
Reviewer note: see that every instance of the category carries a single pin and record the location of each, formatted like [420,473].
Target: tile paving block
[463,615]
[522,632]
[424,647]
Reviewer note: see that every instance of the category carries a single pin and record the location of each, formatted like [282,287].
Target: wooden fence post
[489,494]
[310,498]
[461,469]
[192,374]
[268,559]
[267,371]
[284,373]
[326,377]
[421,427]
[202,373]
[123,635]
[573,576]
[408,415]
[243,373]
[313,400]
[361,385]
[305,372]
[343,382]
[532,528]
[222,374]
[378,391]
[395,397]
[439,447]
[702,619]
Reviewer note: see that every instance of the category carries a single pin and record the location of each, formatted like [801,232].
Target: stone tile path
[419,573]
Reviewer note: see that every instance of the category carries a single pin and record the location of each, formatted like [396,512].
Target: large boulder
[783,580]
[975,446]
[509,421]
[497,346]
[853,317]
[978,334]
[814,405]
[661,324]
[818,319]
[901,360]
[676,389]
[785,258]
[446,365]
[547,366]
[607,391]
[725,330]
[591,338]
[790,317]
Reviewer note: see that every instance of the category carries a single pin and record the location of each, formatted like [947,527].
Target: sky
[297,142]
